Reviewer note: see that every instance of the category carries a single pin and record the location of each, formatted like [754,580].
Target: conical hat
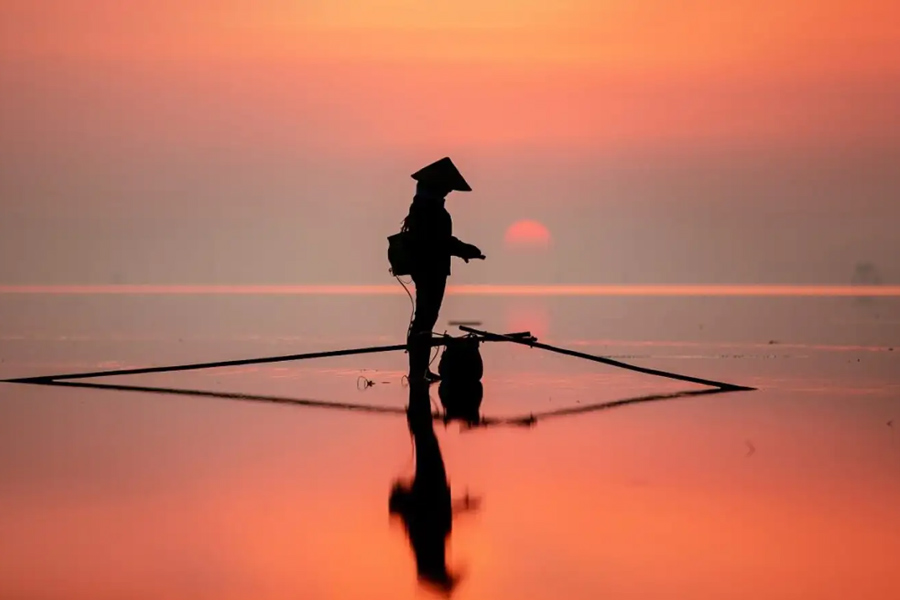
[443,174]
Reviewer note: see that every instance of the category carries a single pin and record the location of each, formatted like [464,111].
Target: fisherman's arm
[463,250]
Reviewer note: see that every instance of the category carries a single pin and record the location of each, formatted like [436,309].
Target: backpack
[400,254]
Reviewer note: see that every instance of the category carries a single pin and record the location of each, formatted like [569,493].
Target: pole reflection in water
[425,505]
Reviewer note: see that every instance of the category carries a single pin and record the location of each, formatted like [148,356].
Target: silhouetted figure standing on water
[429,230]
[425,504]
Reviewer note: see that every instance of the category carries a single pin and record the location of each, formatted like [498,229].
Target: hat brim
[442,174]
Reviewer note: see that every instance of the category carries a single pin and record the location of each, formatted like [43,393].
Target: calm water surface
[790,491]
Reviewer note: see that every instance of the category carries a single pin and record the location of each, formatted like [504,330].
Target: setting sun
[527,234]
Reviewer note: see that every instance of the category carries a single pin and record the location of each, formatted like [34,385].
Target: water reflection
[462,401]
[425,505]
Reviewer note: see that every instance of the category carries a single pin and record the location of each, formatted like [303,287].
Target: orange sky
[275,113]
[580,72]
[631,36]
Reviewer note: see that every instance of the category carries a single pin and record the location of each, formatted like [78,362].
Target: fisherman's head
[431,190]
[439,179]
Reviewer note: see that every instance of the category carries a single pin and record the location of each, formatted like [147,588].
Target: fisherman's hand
[473,253]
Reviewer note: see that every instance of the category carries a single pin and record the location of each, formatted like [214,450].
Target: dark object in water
[461,360]
[866,274]
[461,400]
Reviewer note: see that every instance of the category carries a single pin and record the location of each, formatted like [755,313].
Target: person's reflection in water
[425,505]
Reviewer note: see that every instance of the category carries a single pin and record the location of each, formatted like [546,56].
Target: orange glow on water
[636,502]
[533,318]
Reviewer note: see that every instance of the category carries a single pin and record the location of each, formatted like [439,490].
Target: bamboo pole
[532,342]
[230,363]
[210,365]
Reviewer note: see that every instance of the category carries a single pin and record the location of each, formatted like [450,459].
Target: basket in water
[461,360]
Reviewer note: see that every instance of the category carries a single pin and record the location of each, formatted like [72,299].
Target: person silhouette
[425,505]
[429,230]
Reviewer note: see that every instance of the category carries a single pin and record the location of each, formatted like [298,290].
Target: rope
[412,316]
[412,303]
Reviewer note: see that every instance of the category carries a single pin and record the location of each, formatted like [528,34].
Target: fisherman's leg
[418,342]
[429,297]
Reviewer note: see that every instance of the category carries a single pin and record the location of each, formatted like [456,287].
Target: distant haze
[271,142]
